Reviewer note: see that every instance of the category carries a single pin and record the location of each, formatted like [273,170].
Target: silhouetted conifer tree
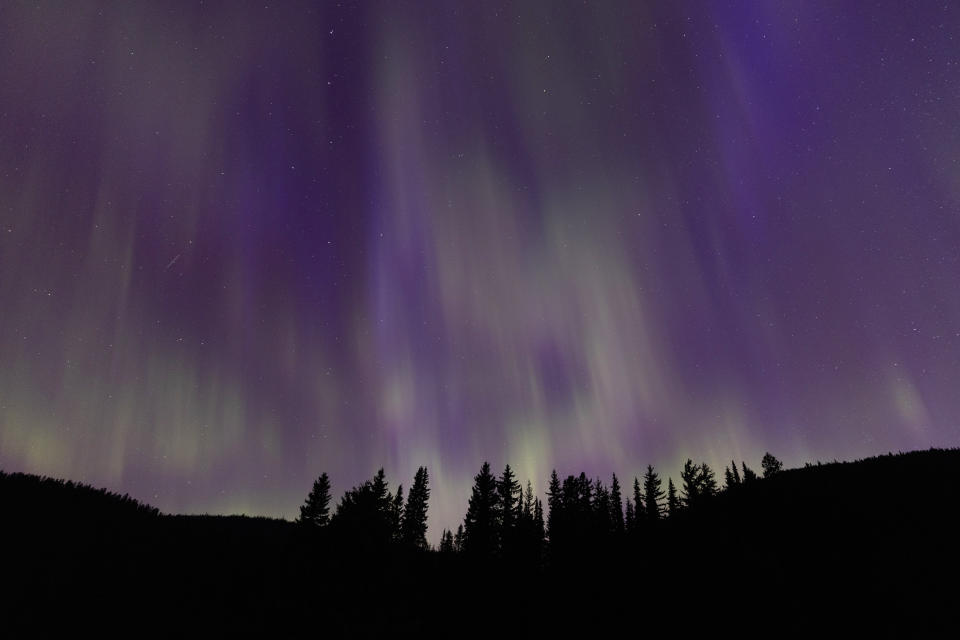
[749,475]
[509,499]
[770,465]
[630,523]
[673,502]
[616,506]
[601,509]
[708,481]
[414,529]
[396,515]
[554,505]
[481,524]
[736,474]
[690,476]
[446,541]
[365,513]
[728,481]
[316,510]
[637,504]
[652,494]
[539,531]
[458,539]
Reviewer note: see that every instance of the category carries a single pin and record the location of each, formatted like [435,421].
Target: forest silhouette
[871,542]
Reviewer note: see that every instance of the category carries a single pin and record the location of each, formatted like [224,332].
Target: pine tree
[555,506]
[480,534]
[616,506]
[749,475]
[631,518]
[396,515]
[690,476]
[315,511]
[458,539]
[601,509]
[446,542]
[673,502]
[728,481]
[708,482]
[770,465]
[539,532]
[509,498]
[652,494]
[414,529]
[736,474]
[638,511]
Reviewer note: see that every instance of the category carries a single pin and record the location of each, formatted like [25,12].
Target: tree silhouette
[601,509]
[458,539]
[708,481]
[736,474]
[638,513]
[481,522]
[396,514]
[315,511]
[365,513]
[616,506]
[770,465]
[555,505]
[749,475]
[652,494]
[690,477]
[509,501]
[673,502]
[414,527]
[446,542]
[630,522]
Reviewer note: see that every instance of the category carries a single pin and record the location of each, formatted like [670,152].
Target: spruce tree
[396,515]
[690,476]
[508,497]
[446,542]
[458,539]
[630,523]
[728,481]
[708,482]
[315,511]
[414,529]
[616,506]
[481,523]
[673,502]
[736,474]
[554,506]
[601,509]
[637,503]
[652,494]
[749,475]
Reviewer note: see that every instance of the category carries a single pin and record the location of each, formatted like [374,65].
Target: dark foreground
[844,546]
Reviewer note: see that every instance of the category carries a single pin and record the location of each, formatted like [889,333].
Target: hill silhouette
[863,544]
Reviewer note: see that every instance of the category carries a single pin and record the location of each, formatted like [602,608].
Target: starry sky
[242,243]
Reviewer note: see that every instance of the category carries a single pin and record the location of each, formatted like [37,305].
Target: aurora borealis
[244,243]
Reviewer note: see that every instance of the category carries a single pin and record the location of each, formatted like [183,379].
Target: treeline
[507,521]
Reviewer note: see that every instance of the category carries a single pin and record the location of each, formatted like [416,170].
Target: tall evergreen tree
[770,465]
[736,474]
[458,539]
[554,506]
[673,502]
[630,523]
[509,499]
[652,494]
[396,514]
[539,532]
[616,506]
[480,533]
[528,501]
[728,481]
[708,481]
[749,475]
[414,530]
[637,503]
[446,541]
[690,476]
[601,508]
[315,511]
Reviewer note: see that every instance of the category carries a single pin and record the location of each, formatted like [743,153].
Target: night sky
[244,243]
